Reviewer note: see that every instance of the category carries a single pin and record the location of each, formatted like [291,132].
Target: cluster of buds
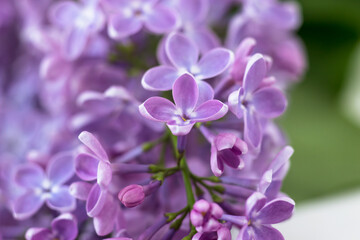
[131,120]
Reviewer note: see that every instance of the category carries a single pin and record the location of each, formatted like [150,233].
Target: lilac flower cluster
[129,119]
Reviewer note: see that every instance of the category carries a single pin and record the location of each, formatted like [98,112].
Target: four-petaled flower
[182,116]
[256,100]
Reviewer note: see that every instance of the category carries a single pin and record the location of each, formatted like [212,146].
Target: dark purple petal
[65,226]
[158,109]
[185,93]
[64,13]
[252,128]
[254,203]
[269,102]
[104,174]
[60,168]
[159,78]
[160,19]
[255,72]
[230,158]
[75,42]
[27,205]
[266,233]
[94,145]
[86,166]
[61,200]
[206,92]
[121,27]
[29,176]
[38,234]
[209,111]
[80,190]
[95,201]
[214,63]
[276,211]
[181,51]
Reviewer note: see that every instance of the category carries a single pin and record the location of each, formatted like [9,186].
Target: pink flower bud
[132,195]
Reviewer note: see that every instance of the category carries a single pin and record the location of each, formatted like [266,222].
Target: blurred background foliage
[326,143]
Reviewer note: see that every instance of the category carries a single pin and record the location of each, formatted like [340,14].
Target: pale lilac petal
[86,166]
[61,168]
[225,141]
[159,78]
[75,42]
[65,226]
[94,145]
[158,109]
[254,203]
[255,72]
[180,130]
[27,205]
[241,58]
[267,233]
[235,104]
[80,190]
[224,234]
[276,211]
[206,92]
[95,201]
[104,174]
[205,39]
[160,19]
[214,63]
[281,158]
[120,27]
[209,111]
[30,176]
[38,234]
[269,102]
[252,128]
[181,51]
[61,200]
[185,93]
[244,234]
[104,221]
[64,13]
[193,10]
[217,167]
[285,16]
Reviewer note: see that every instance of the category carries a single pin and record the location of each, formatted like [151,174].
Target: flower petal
[185,93]
[205,39]
[95,201]
[94,145]
[254,203]
[217,167]
[267,232]
[75,42]
[104,174]
[181,51]
[209,111]
[241,58]
[214,63]
[269,102]
[252,128]
[104,221]
[27,205]
[38,234]
[206,92]
[255,72]
[60,168]
[80,190]
[63,13]
[86,166]
[276,211]
[158,109]
[121,27]
[66,226]
[61,200]
[29,176]
[178,129]
[160,19]
[159,78]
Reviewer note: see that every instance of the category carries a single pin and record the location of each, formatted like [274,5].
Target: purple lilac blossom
[74,81]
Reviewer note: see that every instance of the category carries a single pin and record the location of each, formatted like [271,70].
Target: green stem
[187,182]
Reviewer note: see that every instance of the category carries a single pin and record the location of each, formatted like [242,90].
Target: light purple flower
[182,116]
[227,148]
[126,18]
[204,216]
[184,57]
[63,227]
[260,215]
[254,101]
[222,233]
[79,21]
[43,186]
